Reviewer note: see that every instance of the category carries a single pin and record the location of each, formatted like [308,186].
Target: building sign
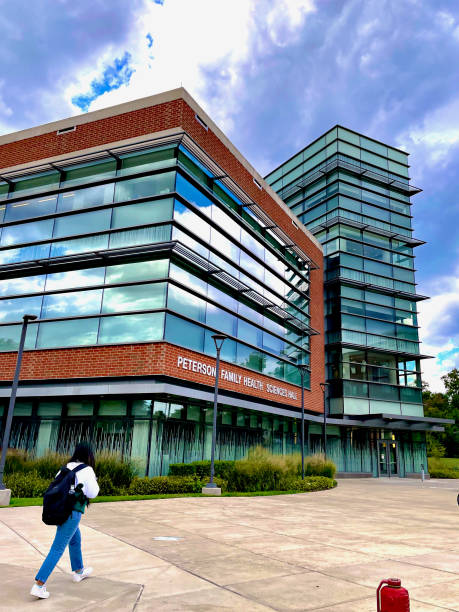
[200,367]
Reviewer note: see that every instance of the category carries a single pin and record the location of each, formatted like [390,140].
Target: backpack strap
[78,468]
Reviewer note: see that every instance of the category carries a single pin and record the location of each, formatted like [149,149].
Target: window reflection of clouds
[139,270]
[27,232]
[180,236]
[131,328]
[76,332]
[224,246]
[225,221]
[79,245]
[186,303]
[193,222]
[194,195]
[75,278]
[14,310]
[38,251]
[10,335]
[250,265]
[137,297]
[188,279]
[26,284]
[72,304]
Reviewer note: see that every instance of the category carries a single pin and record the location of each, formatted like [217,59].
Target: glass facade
[152,245]
[353,194]
[157,431]
[213,268]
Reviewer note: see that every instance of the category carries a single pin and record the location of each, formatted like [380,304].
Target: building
[353,193]
[137,232]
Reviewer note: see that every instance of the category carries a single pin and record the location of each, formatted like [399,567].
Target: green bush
[107,487]
[26,484]
[164,484]
[169,484]
[16,461]
[313,483]
[317,465]
[112,466]
[259,471]
[48,465]
[201,469]
[182,469]
[443,473]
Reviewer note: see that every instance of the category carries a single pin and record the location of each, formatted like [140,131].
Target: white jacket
[87,477]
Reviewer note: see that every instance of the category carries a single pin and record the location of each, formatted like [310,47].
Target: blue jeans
[66,534]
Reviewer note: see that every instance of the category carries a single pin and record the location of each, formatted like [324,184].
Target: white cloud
[434,137]
[193,43]
[436,317]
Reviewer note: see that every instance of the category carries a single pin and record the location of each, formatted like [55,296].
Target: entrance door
[387,458]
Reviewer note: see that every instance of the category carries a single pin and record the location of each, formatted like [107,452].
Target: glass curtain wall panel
[353,193]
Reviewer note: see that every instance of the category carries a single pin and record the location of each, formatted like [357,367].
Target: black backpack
[57,500]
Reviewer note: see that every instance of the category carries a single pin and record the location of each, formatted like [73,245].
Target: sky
[274,75]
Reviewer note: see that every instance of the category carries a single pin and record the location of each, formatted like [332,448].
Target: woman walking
[68,534]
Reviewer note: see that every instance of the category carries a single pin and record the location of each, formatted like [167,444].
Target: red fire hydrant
[392,597]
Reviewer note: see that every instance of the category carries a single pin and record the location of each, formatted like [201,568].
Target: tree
[444,406]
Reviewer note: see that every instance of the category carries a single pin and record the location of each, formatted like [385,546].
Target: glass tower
[353,193]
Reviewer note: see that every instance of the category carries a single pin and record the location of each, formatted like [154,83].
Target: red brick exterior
[142,359]
[128,360]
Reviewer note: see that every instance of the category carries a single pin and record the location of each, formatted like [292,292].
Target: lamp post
[324,386]
[211,488]
[9,418]
[302,371]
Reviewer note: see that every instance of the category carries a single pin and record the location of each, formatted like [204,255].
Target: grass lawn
[452,463]
[443,467]
[38,501]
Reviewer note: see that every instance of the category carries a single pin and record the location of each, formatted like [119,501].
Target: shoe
[87,571]
[39,591]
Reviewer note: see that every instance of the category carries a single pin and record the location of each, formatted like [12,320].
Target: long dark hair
[83,453]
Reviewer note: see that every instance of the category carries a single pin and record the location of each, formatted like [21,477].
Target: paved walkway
[316,551]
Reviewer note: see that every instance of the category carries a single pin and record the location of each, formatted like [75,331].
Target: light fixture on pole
[9,417]
[211,488]
[302,368]
[324,386]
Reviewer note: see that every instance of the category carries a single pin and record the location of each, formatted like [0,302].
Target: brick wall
[175,114]
[160,358]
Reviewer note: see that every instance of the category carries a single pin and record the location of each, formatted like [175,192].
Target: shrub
[164,484]
[443,473]
[317,465]
[48,465]
[259,471]
[26,484]
[107,487]
[201,469]
[169,484]
[442,468]
[182,469]
[16,461]
[111,466]
[314,483]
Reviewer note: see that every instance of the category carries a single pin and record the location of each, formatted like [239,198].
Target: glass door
[382,457]
[387,458]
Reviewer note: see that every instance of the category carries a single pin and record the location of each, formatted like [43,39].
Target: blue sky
[274,74]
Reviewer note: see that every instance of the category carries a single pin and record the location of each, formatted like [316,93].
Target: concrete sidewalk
[316,551]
